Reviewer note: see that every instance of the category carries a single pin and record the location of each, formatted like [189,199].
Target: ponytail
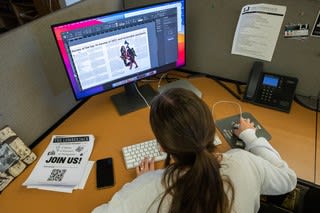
[199,189]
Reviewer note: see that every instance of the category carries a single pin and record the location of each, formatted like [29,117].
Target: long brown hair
[184,127]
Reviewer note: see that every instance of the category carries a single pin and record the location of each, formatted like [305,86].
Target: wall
[35,92]
[210,29]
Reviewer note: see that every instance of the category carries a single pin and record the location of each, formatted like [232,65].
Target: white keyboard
[217,140]
[134,154]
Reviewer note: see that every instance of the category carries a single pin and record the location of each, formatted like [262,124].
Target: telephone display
[270,80]
[270,90]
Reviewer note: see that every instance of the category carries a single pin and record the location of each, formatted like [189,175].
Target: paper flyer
[64,161]
[258,30]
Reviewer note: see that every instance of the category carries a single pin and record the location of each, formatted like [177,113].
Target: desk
[293,136]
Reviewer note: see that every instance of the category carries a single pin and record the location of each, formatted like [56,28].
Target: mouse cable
[226,102]
[162,76]
[143,98]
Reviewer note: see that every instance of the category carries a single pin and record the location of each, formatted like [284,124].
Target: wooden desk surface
[293,135]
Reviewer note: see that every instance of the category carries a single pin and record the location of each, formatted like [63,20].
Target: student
[196,178]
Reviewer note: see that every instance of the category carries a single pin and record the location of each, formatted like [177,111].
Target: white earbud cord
[143,98]
[228,102]
[162,76]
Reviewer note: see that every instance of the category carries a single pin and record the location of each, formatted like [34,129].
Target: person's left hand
[146,165]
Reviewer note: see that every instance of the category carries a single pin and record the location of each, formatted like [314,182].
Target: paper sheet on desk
[63,163]
[67,189]
[258,30]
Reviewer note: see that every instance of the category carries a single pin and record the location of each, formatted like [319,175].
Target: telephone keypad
[266,93]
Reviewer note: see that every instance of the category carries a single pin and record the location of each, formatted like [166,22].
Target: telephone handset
[270,90]
[254,79]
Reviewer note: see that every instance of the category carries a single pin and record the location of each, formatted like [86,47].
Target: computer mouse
[239,144]
[235,125]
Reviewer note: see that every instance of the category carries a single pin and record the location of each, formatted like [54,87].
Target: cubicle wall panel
[34,89]
[49,54]
[24,89]
[210,36]
[210,30]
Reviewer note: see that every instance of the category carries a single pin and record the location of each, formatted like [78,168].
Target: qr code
[57,175]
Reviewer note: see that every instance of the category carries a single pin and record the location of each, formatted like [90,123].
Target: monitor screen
[116,49]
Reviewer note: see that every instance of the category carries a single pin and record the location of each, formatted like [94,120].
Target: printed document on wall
[258,30]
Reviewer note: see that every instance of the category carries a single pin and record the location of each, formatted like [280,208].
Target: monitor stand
[130,100]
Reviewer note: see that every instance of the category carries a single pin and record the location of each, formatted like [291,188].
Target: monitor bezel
[161,69]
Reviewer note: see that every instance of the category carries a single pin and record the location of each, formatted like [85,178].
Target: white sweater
[259,170]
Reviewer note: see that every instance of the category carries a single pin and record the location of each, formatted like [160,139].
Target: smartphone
[105,174]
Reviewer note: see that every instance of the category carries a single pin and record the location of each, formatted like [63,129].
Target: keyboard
[134,154]
[217,140]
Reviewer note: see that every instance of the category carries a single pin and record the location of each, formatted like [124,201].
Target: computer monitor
[117,49]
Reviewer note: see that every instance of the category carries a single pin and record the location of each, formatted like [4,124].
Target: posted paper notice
[258,30]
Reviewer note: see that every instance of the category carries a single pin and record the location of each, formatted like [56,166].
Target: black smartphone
[105,174]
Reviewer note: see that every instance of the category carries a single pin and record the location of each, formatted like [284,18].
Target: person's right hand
[146,165]
[244,124]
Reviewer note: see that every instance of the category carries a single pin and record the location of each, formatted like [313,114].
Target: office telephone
[270,90]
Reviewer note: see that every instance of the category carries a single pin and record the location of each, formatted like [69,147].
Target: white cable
[162,76]
[135,85]
[229,102]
